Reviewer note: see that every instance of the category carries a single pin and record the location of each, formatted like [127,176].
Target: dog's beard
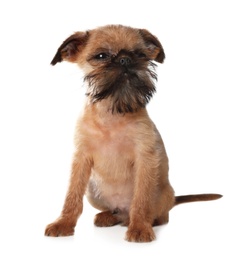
[128,89]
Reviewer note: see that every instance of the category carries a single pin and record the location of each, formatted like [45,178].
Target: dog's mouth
[128,88]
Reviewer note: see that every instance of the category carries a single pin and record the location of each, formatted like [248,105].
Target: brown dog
[120,160]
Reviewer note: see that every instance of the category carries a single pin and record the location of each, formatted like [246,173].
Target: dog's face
[118,64]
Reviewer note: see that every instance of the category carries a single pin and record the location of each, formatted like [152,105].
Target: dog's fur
[120,161]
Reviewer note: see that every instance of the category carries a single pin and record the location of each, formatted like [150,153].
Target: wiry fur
[120,162]
[128,89]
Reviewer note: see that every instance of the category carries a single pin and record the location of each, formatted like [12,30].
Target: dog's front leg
[73,205]
[141,212]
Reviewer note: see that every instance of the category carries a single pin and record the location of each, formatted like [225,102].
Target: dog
[120,162]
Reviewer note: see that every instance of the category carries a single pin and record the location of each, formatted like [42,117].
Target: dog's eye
[141,55]
[101,56]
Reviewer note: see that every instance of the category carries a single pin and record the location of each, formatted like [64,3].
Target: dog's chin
[127,90]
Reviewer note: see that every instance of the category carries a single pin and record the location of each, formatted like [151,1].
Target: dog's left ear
[155,48]
[71,47]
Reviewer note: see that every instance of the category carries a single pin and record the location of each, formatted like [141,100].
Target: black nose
[125,61]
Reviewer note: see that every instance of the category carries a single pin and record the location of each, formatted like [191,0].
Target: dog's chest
[115,144]
[113,155]
[112,145]
[112,177]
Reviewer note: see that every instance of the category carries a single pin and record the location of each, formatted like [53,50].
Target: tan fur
[120,161]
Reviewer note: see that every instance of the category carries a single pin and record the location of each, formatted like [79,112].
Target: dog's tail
[196,197]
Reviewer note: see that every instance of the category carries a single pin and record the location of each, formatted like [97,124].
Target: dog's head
[118,64]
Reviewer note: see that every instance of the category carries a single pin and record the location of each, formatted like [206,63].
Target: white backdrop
[201,109]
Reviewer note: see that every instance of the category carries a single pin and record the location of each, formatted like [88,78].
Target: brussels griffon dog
[120,162]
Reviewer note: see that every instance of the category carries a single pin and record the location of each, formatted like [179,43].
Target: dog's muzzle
[125,61]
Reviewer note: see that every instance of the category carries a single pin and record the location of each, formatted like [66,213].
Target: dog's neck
[101,112]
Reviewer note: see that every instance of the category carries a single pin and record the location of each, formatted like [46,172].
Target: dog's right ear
[71,47]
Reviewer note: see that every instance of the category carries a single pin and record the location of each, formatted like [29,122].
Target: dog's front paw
[140,234]
[60,228]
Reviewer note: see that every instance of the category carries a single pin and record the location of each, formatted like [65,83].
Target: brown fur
[120,161]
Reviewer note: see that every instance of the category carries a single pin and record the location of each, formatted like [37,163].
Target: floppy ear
[155,48]
[71,47]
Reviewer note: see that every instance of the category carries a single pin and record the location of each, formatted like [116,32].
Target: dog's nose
[125,61]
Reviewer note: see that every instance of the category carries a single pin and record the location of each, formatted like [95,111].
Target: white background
[201,109]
